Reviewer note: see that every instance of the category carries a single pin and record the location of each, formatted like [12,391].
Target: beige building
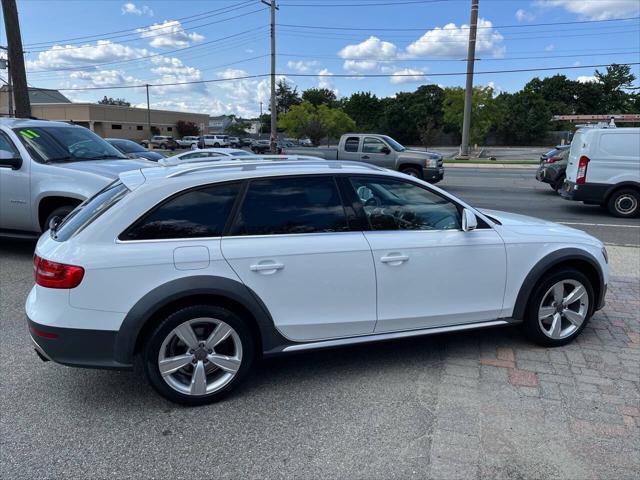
[106,120]
[118,122]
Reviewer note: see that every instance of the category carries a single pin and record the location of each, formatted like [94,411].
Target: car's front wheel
[559,308]
[198,354]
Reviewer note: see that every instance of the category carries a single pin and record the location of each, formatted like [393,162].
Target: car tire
[543,310]
[412,172]
[58,212]
[216,145]
[557,185]
[204,319]
[624,203]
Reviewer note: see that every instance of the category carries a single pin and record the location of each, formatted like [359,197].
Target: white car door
[429,272]
[15,190]
[291,244]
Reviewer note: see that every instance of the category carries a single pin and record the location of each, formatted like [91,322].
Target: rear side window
[291,205]
[89,210]
[192,214]
[351,144]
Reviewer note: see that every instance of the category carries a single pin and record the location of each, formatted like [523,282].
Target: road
[483,404]
[516,190]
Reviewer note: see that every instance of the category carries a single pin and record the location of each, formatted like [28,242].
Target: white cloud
[451,40]
[324,81]
[131,8]
[169,34]
[302,66]
[359,65]
[524,16]
[596,10]
[103,78]
[172,70]
[102,52]
[587,79]
[407,75]
[372,47]
[244,96]
[550,48]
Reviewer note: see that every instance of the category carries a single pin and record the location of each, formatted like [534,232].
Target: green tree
[320,96]
[523,117]
[187,128]
[303,121]
[238,129]
[335,121]
[483,112]
[365,109]
[121,102]
[615,81]
[286,96]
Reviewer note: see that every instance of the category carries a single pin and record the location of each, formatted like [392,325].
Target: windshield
[393,144]
[66,144]
[127,146]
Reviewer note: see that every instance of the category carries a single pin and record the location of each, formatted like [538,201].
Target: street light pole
[148,114]
[468,92]
[274,113]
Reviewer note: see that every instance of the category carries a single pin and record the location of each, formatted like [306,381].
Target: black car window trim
[359,208]
[235,210]
[122,236]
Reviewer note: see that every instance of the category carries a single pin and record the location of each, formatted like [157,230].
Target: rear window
[89,211]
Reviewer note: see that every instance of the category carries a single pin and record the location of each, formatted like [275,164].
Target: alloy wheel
[563,309]
[626,204]
[200,356]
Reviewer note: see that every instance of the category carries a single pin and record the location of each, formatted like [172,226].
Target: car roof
[186,174]
[29,122]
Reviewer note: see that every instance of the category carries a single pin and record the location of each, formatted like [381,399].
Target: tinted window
[127,146]
[89,210]
[193,155]
[291,205]
[372,145]
[7,145]
[392,204]
[351,144]
[192,214]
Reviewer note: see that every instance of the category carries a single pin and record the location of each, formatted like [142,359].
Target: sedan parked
[133,150]
[553,169]
[204,154]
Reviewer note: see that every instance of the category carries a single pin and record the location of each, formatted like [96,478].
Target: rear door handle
[396,259]
[365,157]
[266,267]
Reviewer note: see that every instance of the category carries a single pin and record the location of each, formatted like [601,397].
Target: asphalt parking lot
[484,404]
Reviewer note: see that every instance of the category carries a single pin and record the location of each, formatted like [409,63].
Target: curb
[488,165]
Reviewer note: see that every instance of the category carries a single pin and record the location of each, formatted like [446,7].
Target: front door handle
[365,157]
[394,259]
[270,267]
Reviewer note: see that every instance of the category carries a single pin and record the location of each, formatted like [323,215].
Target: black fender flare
[182,288]
[544,265]
[626,184]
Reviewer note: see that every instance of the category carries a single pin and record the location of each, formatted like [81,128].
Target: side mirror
[10,160]
[386,150]
[469,220]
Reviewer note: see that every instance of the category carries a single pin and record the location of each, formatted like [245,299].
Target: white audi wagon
[198,270]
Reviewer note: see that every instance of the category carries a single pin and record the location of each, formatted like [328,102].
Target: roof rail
[251,163]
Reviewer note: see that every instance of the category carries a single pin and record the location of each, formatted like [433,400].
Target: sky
[78,44]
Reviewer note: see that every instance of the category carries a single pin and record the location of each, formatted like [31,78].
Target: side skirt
[340,342]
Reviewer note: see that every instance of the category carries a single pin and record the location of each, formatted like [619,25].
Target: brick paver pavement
[507,409]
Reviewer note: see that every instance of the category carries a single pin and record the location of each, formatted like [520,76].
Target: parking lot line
[600,224]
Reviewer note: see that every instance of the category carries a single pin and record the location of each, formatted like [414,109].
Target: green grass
[495,162]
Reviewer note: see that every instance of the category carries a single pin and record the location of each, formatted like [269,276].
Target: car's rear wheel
[624,203]
[558,183]
[559,308]
[198,354]
[216,145]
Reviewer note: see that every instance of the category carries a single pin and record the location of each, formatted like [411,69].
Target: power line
[350,76]
[149,35]
[369,4]
[326,27]
[206,14]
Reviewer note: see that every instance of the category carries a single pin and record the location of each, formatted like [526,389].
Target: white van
[604,169]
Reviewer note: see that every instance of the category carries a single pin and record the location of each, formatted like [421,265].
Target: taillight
[56,275]
[581,177]
[553,159]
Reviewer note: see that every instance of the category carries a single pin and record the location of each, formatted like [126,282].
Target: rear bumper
[594,193]
[433,175]
[75,347]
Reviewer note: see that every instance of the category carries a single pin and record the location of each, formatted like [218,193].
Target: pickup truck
[382,151]
[49,168]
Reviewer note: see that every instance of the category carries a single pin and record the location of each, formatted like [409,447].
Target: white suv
[216,141]
[198,269]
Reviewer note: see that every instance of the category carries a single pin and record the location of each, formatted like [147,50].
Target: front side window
[66,144]
[282,206]
[392,204]
[191,214]
[351,144]
[7,145]
[372,145]
[190,156]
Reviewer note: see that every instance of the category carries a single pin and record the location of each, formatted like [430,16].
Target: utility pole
[274,113]
[16,59]
[260,118]
[148,114]
[468,92]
